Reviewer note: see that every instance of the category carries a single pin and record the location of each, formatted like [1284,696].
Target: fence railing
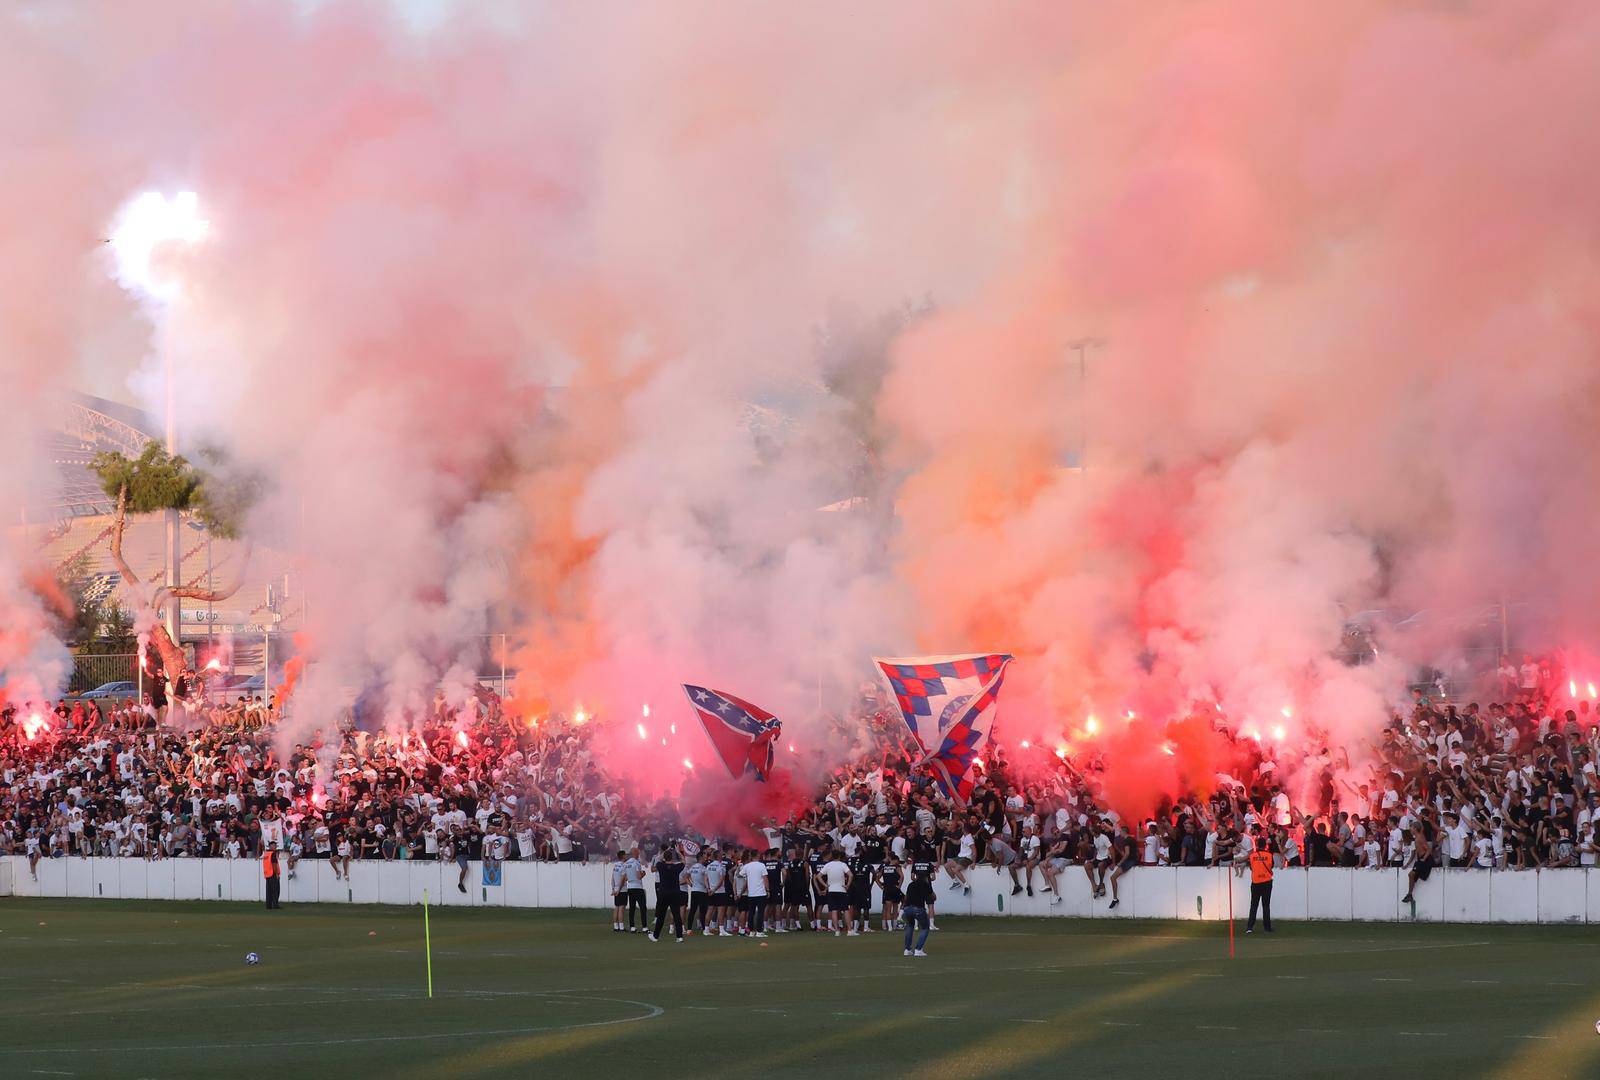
[90,670]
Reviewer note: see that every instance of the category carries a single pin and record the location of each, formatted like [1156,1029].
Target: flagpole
[427,942]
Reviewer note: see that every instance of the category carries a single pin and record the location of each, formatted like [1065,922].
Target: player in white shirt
[833,881]
[753,876]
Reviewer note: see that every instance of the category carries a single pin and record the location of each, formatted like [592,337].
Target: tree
[156,481]
[74,580]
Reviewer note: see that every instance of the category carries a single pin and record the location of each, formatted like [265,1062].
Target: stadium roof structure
[68,525]
[83,427]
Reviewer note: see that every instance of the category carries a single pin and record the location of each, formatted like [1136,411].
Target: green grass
[101,988]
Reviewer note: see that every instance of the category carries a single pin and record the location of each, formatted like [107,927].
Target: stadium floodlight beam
[147,225]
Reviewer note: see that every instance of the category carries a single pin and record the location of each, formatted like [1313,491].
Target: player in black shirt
[814,860]
[669,891]
[919,895]
[860,894]
[889,877]
[796,892]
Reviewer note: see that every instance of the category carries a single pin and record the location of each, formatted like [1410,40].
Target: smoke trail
[1335,267]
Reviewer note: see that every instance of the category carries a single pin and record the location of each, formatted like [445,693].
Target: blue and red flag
[744,736]
[949,704]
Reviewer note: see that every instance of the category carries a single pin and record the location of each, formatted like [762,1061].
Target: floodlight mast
[149,223]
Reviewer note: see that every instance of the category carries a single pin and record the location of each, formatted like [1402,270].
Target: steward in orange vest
[1262,860]
[274,878]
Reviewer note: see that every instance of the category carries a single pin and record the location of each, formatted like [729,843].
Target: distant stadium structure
[69,521]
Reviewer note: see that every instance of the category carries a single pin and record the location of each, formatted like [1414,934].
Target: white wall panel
[160,879]
[1200,892]
[133,879]
[1562,895]
[1291,888]
[555,884]
[591,885]
[362,888]
[187,880]
[80,877]
[1374,895]
[394,882]
[1156,894]
[1148,892]
[1467,894]
[104,872]
[23,882]
[1514,896]
[948,900]
[1327,894]
[426,876]
[52,877]
[247,884]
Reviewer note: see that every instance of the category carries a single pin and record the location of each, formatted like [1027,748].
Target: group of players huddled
[742,892]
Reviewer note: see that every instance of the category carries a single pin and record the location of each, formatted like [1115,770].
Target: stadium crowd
[1510,784]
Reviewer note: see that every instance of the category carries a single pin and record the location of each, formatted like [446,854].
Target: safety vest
[269,864]
[1260,866]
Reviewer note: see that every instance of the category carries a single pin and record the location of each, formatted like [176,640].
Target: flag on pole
[742,734]
[948,703]
[931,691]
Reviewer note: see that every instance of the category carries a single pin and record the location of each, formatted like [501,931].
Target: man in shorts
[860,894]
[796,891]
[1421,863]
[717,898]
[619,891]
[966,854]
[1099,857]
[1125,853]
[696,876]
[1056,859]
[833,882]
[815,859]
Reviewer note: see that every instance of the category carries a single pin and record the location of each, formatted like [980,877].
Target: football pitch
[160,989]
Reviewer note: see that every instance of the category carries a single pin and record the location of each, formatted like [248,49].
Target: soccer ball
[251,958]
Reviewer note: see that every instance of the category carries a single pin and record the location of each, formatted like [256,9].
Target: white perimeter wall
[1527,896]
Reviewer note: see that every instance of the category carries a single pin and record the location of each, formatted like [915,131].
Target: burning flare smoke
[1149,345]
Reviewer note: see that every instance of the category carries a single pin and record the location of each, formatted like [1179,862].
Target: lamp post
[148,225]
[1082,346]
[211,614]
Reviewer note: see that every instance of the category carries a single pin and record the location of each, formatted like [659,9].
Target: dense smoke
[1148,346]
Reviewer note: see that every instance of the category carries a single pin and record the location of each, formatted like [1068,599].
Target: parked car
[112,691]
[231,688]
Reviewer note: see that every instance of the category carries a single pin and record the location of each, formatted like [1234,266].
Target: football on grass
[251,958]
